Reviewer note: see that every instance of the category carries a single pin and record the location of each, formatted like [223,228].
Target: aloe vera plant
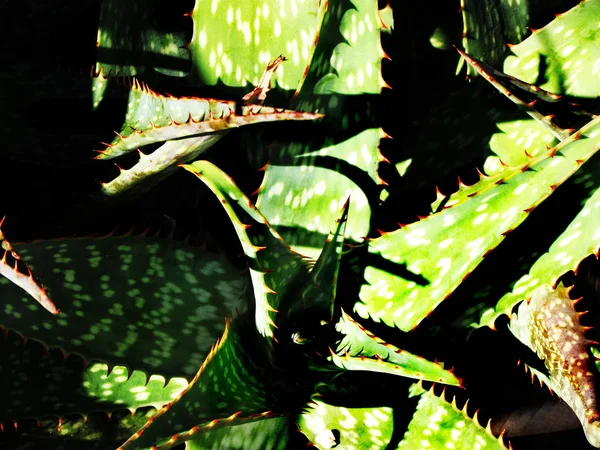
[317,276]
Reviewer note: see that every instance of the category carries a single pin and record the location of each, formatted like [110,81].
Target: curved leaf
[483,218]
[146,303]
[564,53]
[549,325]
[328,426]
[440,425]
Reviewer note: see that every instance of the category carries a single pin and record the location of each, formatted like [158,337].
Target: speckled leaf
[265,434]
[440,425]
[578,241]
[549,324]
[347,59]
[541,159]
[517,139]
[276,270]
[483,221]
[307,189]
[227,390]
[234,40]
[362,350]
[147,303]
[328,426]
[347,62]
[565,53]
[489,25]
[19,273]
[37,383]
[507,86]
[152,118]
[189,125]
[150,169]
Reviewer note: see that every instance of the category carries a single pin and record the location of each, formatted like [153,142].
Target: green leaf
[234,40]
[309,180]
[146,303]
[549,324]
[266,434]
[189,125]
[322,286]
[564,53]
[578,241]
[38,382]
[306,190]
[11,270]
[328,426]
[361,350]
[439,425]
[153,118]
[477,219]
[275,269]
[228,389]
[129,43]
[489,25]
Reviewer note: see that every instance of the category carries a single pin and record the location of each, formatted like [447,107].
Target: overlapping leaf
[564,53]
[39,383]
[128,300]
[313,178]
[490,24]
[439,424]
[361,350]
[483,217]
[129,42]
[328,426]
[274,268]
[188,125]
[579,240]
[266,434]
[228,390]
[233,41]
[549,324]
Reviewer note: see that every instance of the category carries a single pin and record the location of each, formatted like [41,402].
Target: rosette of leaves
[299,336]
[270,360]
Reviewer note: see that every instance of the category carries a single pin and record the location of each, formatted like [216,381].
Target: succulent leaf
[275,270]
[189,125]
[320,292]
[12,271]
[39,382]
[228,389]
[564,53]
[266,434]
[440,424]
[150,297]
[361,350]
[484,213]
[579,240]
[233,41]
[549,324]
[488,25]
[346,62]
[492,76]
[328,426]
[304,192]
